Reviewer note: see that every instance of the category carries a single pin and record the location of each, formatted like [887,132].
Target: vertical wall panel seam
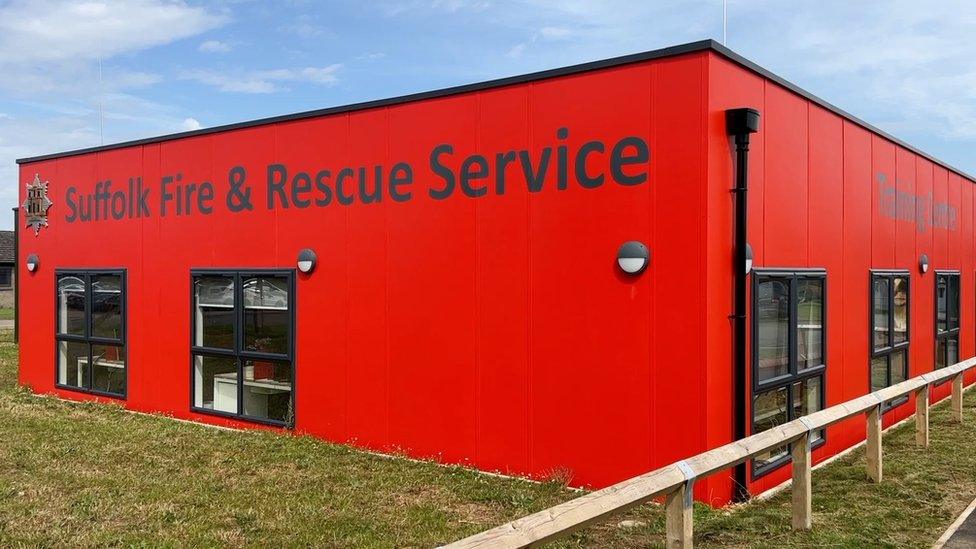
[348,302]
[530,364]
[843,257]
[649,408]
[703,243]
[386,281]
[809,156]
[477,295]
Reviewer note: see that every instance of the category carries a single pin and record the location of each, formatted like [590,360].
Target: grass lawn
[6,314]
[88,474]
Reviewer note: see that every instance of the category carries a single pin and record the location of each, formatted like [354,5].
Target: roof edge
[681,49]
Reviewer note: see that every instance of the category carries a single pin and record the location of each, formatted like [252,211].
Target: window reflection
[806,400]
[106,306]
[879,373]
[248,318]
[91,331]
[769,411]
[266,316]
[72,363]
[789,357]
[947,319]
[880,299]
[108,368]
[773,318]
[215,316]
[809,311]
[890,320]
[71,305]
[900,319]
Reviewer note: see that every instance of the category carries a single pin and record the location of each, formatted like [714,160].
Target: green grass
[6,314]
[94,475]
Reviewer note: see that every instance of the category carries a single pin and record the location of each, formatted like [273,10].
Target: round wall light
[33,262]
[633,257]
[923,263]
[306,260]
[748,258]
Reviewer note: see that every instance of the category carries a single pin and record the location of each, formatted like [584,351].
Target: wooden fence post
[957,398]
[874,443]
[680,518]
[802,486]
[922,417]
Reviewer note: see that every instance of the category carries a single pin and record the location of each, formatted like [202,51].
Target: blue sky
[170,66]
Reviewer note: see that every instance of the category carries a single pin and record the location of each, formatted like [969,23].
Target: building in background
[7,276]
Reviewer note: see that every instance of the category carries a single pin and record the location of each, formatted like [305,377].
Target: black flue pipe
[740,124]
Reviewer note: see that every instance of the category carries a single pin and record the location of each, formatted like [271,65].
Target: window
[6,277]
[946,319]
[789,344]
[889,329]
[242,328]
[90,337]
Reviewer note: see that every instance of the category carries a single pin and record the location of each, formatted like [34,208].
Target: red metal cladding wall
[493,331]
[814,201]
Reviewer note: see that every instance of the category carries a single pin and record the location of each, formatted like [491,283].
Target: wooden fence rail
[676,481]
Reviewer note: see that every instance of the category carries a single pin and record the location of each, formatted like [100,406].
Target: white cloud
[304,27]
[191,124]
[48,30]
[268,81]
[391,9]
[554,33]
[214,46]
[905,66]
[371,56]
[321,75]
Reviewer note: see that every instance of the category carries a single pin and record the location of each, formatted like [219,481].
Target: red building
[465,300]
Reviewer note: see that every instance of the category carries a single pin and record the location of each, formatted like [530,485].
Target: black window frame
[239,353]
[795,374]
[9,284]
[949,332]
[87,338]
[891,348]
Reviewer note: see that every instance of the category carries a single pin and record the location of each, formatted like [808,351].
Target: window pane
[940,353]
[106,306]
[215,317]
[806,399]
[899,367]
[6,275]
[769,410]
[72,363]
[267,390]
[108,371]
[952,350]
[953,302]
[879,373]
[900,288]
[266,318]
[215,383]
[879,298]
[71,305]
[773,317]
[266,291]
[809,312]
[941,289]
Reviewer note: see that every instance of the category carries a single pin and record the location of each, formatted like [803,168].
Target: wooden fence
[676,481]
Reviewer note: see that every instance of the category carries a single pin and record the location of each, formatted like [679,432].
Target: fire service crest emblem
[36,205]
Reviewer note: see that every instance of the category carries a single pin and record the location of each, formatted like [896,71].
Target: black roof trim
[691,47]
